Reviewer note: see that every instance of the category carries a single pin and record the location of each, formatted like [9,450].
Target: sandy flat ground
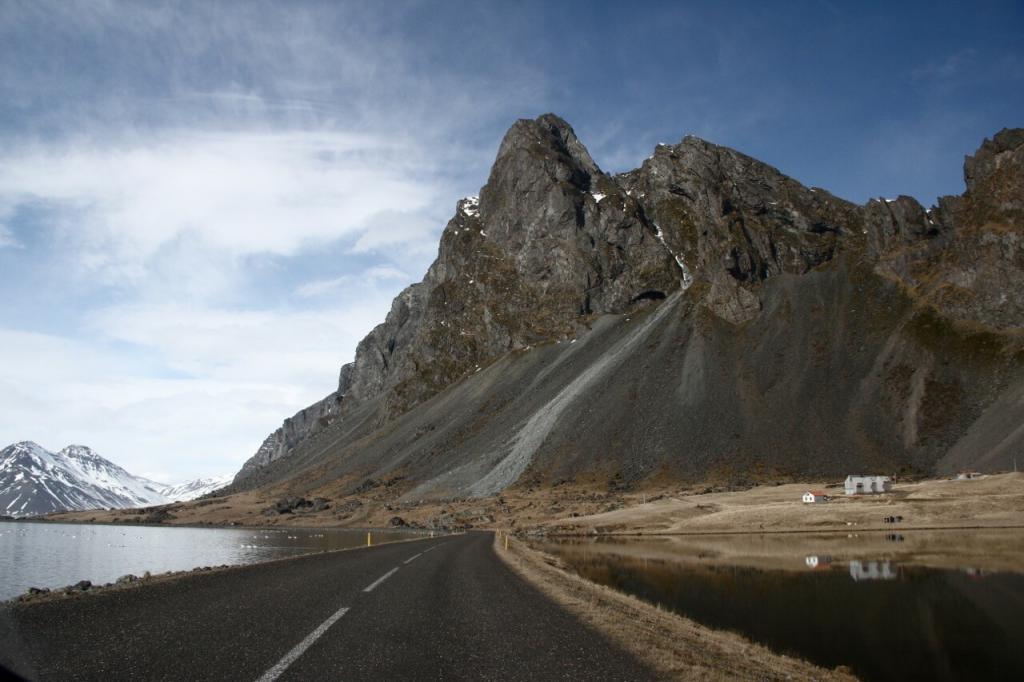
[990,502]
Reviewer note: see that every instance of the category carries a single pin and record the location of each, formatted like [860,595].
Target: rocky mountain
[703,317]
[35,481]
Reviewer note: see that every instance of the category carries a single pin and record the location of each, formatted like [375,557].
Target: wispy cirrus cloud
[235,193]
[371,276]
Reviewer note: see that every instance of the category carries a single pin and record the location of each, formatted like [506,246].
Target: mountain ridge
[36,481]
[553,245]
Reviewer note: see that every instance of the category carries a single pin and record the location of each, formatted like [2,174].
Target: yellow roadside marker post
[369,540]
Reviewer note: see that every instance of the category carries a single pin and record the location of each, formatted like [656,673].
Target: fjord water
[58,554]
[887,615]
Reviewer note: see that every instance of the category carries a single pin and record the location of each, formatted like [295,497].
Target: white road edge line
[379,580]
[411,559]
[294,654]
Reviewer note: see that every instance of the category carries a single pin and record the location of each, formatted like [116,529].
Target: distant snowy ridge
[35,481]
[184,492]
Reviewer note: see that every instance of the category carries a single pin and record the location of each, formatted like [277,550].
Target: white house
[857,484]
[812,496]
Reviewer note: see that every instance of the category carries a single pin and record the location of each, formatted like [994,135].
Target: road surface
[435,609]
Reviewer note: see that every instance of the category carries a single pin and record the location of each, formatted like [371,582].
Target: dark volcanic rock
[733,324]
[158,515]
[294,504]
[287,505]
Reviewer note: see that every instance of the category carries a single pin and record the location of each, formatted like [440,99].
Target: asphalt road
[439,609]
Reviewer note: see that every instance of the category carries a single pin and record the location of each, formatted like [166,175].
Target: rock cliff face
[745,324]
[304,424]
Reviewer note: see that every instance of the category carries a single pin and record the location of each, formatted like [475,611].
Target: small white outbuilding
[858,484]
[812,496]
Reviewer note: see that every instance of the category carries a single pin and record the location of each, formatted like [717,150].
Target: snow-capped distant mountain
[34,481]
[184,492]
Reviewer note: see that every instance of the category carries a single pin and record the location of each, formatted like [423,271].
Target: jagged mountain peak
[981,164]
[536,153]
[766,267]
[545,135]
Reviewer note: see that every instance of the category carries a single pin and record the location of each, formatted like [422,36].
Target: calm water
[54,555]
[884,619]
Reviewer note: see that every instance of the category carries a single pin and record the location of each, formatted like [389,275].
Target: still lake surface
[58,554]
[907,613]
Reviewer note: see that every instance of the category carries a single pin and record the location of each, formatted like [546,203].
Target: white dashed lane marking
[378,581]
[294,654]
[301,647]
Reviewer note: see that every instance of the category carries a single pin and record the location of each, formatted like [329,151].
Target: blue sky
[204,206]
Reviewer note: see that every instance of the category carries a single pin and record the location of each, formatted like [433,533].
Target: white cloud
[185,359]
[171,391]
[235,193]
[293,347]
[373,275]
[417,234]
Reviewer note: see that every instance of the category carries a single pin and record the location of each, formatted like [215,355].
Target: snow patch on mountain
[184,492]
